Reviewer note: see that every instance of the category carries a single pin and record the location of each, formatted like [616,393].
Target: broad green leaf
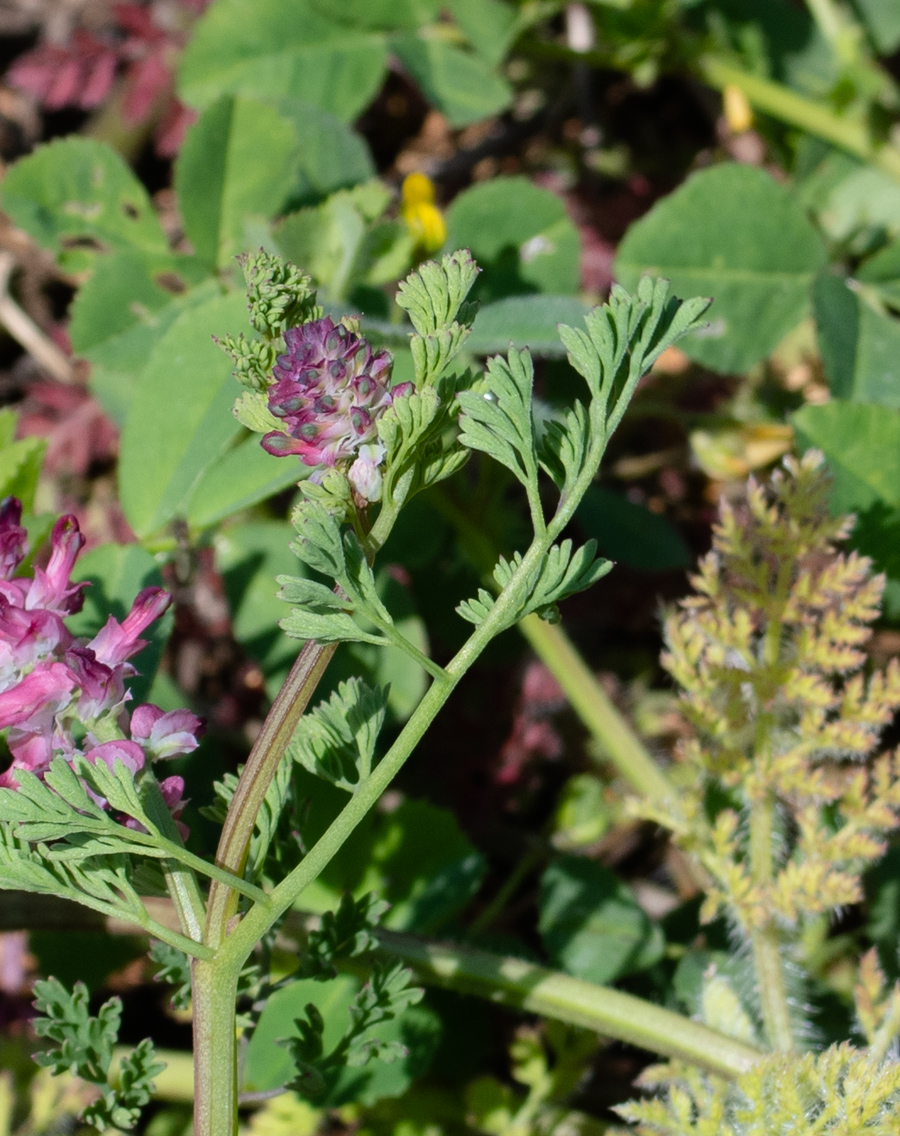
[117,572]
[332,156]
[268,48]
[387,14]
[249,557]
[631,533]
[77,197]
[882,272]
[416,857]
[241,477]
[853,203]
[268,1065]
[460,84]
[590,923]
[239,160]
[735,234]
[520,236]
[525,321]
[132,298]
[860,347]
[180,419]
[882,20]
[488,25]
[336,243]
[861,442]
[862,445]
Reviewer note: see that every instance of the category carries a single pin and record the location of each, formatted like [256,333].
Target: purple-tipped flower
[165,735]
[59,695]
[51,588]
[330,390]
[116,642]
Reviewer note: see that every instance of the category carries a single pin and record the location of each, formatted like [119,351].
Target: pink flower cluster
[65,697]
[330,389]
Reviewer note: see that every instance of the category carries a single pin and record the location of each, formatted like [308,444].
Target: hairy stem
[214,989]
[765,940]
[512,982]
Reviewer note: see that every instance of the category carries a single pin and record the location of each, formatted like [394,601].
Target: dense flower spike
[768,654]
[330,389]
[63,697]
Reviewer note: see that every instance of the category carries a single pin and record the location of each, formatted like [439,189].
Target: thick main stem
[513,982]
[214,988]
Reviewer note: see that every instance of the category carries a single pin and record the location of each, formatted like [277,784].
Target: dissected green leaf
[269,1065]
[336,740]
[497,419]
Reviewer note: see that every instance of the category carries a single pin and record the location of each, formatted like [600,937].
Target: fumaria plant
[778,798]
[85,815]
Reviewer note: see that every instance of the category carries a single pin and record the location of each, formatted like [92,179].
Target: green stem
[796,110]
[214,989]
[264,759]
[765,940]
[259,919]
[513,982]
[596,710]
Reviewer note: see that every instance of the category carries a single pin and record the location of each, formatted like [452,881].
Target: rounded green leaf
[590,923]
[462,85]
[862,445]
[77,197]
[130,301]
[733,233]
[269,48]
[520,236]
[525,321]
[860,347]
[180,419]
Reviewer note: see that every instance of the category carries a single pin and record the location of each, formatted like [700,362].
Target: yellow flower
[738,112]
[424,219]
